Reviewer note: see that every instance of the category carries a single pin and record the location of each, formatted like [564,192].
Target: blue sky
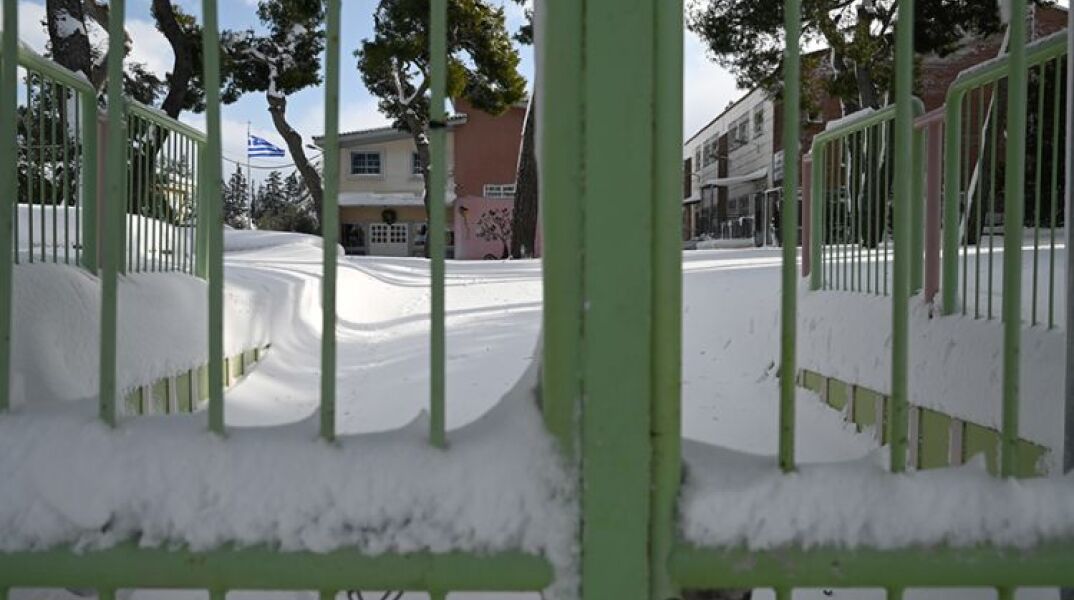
[708,88]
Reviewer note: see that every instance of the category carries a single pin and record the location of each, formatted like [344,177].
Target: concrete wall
[396,167]
[486,148]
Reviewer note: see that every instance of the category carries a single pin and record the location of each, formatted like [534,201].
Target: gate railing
[852,181]
[57,165]
[976,171]
[611,379]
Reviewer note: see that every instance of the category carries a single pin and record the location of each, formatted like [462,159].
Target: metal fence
[978,204]
[610,394]
[852,181]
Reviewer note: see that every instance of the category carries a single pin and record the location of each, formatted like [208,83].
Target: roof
[386,200]
[381,134]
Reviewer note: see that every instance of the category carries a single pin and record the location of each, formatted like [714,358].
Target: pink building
[486,162]
[381,191]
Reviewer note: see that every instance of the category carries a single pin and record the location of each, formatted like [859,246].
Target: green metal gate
[611,79]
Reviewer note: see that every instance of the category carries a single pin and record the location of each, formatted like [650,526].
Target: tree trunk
[527,193]
[72,51]
[419,131]
[293,139]
[183,66]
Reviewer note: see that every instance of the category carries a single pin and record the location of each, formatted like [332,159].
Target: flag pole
[249,176]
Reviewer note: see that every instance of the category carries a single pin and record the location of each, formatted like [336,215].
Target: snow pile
[501,486]
[732,500]
[162,330]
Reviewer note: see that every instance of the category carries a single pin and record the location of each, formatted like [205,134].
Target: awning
[386,199]
[737,179]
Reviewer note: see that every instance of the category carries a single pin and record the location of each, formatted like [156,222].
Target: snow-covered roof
[386,199]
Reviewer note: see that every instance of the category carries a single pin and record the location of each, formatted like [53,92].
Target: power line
[266,168]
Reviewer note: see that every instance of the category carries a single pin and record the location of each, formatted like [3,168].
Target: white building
[728,184]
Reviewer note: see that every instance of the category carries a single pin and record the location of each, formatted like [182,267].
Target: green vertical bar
[437,182]
[213,215]
[1014,207]
[904,198]
[994,145]
[1037,180]
[30,175]
[562,213]
[41,108]
[816,214]
[52,175]
[618,160]
[201,229]
[330,224]
[917,198]
[1054,185]
[66,193]
[9,187]
[666,294]
[113,212]
[789,306]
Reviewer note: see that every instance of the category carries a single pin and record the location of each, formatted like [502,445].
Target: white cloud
[149,46]
[31,25]
[354,114]
[707,87]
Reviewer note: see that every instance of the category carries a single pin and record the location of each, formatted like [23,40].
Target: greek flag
[261,148]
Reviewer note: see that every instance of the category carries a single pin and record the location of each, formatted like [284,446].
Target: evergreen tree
[482,64]
[284,60]
[236,196]
[746,37]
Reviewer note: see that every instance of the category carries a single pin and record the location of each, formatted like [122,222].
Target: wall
[486,148]
[468,212]
[396,170]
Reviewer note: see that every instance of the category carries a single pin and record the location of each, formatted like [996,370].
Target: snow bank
[501,486]
[732,499]
[162,331]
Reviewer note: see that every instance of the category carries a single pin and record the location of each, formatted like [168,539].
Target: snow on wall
[733,499]
[955,362]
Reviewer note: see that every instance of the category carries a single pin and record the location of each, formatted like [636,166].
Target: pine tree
[746,37]
[482,64]
[235,196]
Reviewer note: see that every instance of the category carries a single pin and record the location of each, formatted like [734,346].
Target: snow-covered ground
[730,398]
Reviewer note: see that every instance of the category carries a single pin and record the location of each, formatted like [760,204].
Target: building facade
[728,174]
[381,191]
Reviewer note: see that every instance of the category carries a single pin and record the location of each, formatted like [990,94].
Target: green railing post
[114,209]
[435,237]
[562,215]
[213,214]
[618,158]
[1014,209]
[789,290]
[90,198]
[666,292]
[9,188]
[819,204]
[330,223]
[904,199]
[917,198]
[201,230]
[951,197]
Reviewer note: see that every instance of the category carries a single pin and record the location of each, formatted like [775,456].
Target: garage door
[388,240]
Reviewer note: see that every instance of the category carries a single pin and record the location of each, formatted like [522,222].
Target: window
[365,163]
[415,164]
[758,122]
[499,190]
[711,146]
[697,159]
